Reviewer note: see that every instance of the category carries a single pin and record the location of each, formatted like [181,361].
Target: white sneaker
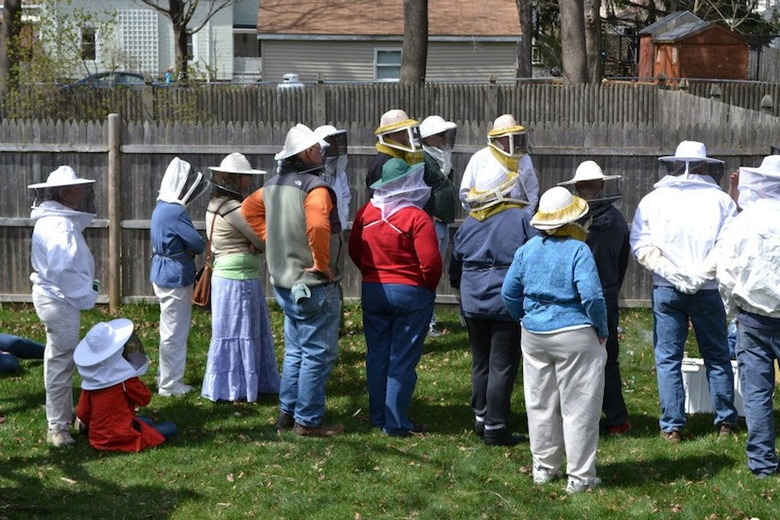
[545,475]
[175,390]
[575,486]
[59,438]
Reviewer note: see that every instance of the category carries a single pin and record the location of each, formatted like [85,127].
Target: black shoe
[479,428]
[285,421]
[502,437]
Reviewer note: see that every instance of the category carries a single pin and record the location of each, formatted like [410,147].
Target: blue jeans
[13,347]
[757,350]
[395,322]
[671,311]
[166,428]
[311,342]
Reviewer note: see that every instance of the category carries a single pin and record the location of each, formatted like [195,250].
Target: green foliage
[228,462]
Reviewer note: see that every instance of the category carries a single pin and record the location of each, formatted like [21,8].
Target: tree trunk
[176,12]
[414,56]
[573,57]
[524,47]
[9,38]
[593,40]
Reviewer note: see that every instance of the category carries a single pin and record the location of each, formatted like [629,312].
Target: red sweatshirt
[403,250]
[109,413]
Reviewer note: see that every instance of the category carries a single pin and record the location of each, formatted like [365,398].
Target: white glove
[686,282]
[653,260]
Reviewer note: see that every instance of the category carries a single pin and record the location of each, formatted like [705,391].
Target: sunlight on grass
[228,462]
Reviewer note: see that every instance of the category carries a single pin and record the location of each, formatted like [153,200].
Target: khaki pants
[563,376]
[175,318]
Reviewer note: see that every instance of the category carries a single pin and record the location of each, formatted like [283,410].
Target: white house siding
[213,44]
[354,60]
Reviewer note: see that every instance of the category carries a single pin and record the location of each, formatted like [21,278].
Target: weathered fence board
[32,149]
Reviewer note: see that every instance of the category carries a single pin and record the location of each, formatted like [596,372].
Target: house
[127,34]
[681,45]
[361,40]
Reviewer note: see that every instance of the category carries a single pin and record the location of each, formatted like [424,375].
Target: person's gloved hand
[96,285]
[686,282]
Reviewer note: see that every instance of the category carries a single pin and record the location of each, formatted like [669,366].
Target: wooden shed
[681,45]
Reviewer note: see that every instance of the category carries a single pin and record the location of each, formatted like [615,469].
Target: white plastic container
[697,392]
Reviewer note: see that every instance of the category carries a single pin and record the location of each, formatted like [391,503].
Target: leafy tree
[181,14]
[9,35]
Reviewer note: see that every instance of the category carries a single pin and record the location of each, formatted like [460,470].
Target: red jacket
[404,250]
[109,413]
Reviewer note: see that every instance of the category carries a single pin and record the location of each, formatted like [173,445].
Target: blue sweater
[482,252]
[175,242]
[553,284]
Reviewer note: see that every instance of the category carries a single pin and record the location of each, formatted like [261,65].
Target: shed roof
[681,32]
[463,18]
[669,22]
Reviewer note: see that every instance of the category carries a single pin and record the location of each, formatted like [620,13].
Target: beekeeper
[64,284]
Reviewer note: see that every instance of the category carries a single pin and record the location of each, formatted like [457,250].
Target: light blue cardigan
[553,284]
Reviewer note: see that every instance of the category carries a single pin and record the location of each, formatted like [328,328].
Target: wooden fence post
[320,106]
[114,215]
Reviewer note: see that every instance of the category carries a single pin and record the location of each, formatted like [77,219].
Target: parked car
[114,79]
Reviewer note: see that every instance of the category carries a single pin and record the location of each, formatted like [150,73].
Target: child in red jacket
[110,360]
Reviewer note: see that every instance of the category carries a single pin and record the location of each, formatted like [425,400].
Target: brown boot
[323,430]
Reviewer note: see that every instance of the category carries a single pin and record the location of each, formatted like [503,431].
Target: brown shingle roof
[386,17]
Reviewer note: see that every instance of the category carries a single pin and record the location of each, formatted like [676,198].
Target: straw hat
[433,125]
[394,169]
[690,151]
[770,167]
[236,163]
[588,171]
[299,138]
[558,207]
[103,341]
[62,176]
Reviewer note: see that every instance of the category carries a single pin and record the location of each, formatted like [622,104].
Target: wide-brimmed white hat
[433,125]
[102,341]
[299,138]
[770,167]
[690,151]
[236,163]
[588,171]
[62,176]
[558,207]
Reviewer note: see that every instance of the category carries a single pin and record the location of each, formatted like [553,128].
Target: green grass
[228,462]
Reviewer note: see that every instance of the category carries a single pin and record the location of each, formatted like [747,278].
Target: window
[536,55]
[88,44]
[387,64]
[190,48]
[246,45]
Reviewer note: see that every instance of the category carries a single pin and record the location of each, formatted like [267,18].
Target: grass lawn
[228,461]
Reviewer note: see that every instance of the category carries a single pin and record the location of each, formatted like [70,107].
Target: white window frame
[378,65]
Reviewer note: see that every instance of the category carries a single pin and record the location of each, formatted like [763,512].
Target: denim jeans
[671,311]
[757,350]
[395,322]
[13,347]
[166,428]
[311,336]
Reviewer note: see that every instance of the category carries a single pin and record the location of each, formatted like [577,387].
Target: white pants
[175,318]
[62,322]
[563,377]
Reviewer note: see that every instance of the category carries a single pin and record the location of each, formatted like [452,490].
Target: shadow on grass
[85,495]
[661,469]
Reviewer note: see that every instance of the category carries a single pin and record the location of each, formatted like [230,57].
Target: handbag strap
[211,233]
